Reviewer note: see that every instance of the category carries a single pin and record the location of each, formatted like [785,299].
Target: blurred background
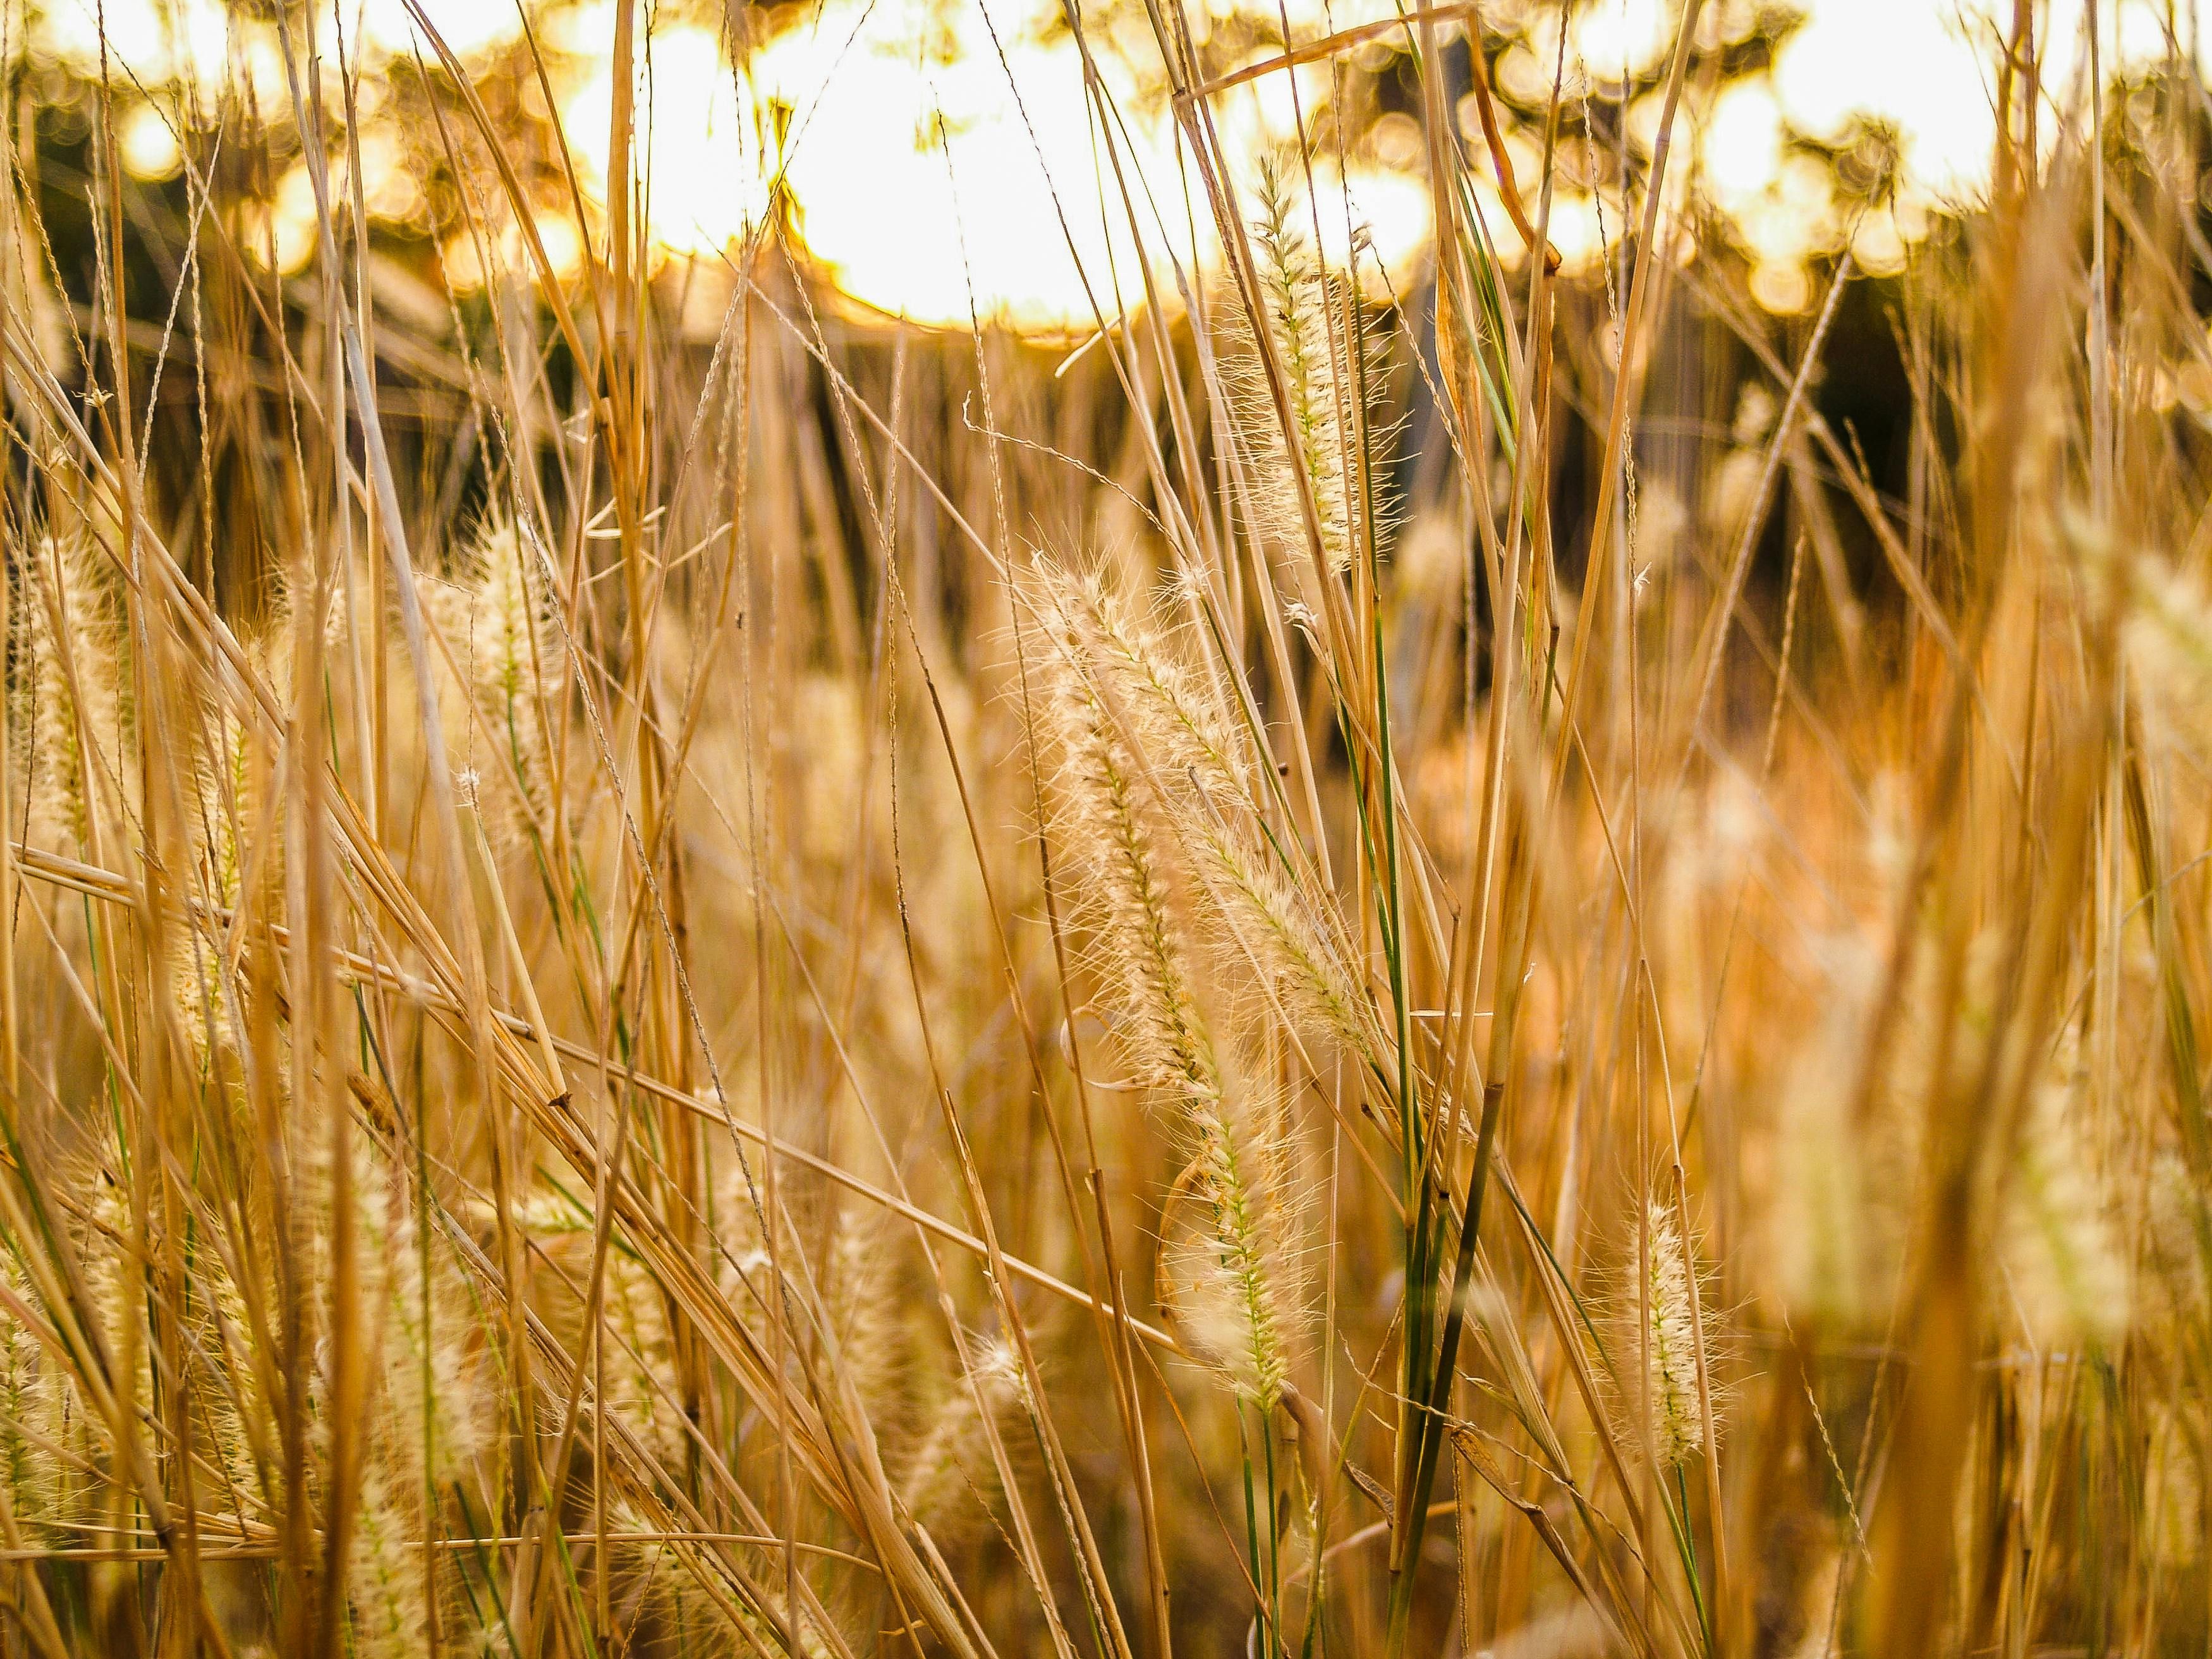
[930,166]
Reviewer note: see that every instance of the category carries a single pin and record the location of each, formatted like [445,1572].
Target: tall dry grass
[834,991]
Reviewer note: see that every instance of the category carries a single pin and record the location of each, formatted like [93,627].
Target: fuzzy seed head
[497,619]
[1669,1343]
[72,705]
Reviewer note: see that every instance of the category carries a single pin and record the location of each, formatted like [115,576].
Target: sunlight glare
[152,41]
[702,162]
[941,158]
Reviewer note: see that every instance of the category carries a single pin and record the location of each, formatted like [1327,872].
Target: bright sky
[942,155]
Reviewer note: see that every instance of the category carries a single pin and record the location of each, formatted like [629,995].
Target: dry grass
[834,994]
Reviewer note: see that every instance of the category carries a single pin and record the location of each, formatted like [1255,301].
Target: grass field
[1482,946]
